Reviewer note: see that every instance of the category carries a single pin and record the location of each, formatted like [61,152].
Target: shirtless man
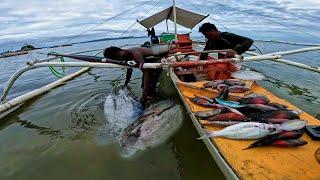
[138,54]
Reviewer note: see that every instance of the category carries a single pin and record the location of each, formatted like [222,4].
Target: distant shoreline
[81,42]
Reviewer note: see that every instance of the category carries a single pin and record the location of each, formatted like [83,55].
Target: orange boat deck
[260,162]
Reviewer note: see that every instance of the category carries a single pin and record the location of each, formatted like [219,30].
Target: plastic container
[158,49]
[166,37]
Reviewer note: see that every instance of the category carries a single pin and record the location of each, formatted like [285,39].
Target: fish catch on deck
[233,85]
[268,140]
[254,130]
[158,122]
[245,130]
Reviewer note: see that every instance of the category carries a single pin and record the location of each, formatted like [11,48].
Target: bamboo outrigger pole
[292,63]
[18,100]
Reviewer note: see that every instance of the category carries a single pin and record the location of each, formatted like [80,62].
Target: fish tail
[207,135]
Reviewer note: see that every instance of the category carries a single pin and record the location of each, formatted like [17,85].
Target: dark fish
[206,98]
[233,89]
[275,121]
[254,95]
[220,123]
[213,84]
[220,87]
[289,143]
[278,114]
[231,116]
[234,82]
[204,114]
[205,102]
[256,108]
[202,101]
[261,107]
[285,135]
[238,89]
[278,106]
[228,82]
[254,100]
[223,93]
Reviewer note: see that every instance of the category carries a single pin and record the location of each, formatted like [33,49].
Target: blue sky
[36,19]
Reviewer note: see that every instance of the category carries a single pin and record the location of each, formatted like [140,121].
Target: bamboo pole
[295,51]
[291,43]
[200,52]
[175,20]
[18,100]
[150,65]
[291,63]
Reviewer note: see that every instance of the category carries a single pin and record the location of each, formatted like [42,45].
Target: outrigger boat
[10,54]
[235,163]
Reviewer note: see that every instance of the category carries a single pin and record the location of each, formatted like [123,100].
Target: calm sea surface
[54,136]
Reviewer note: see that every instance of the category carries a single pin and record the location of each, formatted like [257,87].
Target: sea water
[53,136]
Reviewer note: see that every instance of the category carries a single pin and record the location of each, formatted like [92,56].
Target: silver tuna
[292,125]
[245,130]
[120,110]
[158,122]
[254,130]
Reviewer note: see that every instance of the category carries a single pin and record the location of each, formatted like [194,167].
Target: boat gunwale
[226,169]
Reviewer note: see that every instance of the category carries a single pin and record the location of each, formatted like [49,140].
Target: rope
[260,51]
[55,72]
[291,43]
[220,23]
[141,4]
[209,16]
[132,25]
[266,18]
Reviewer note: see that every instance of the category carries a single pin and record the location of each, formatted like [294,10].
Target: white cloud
[44,18]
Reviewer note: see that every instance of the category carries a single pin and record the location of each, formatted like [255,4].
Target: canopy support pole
[175,20]
[167,26]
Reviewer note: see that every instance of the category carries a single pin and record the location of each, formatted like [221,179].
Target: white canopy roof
[185,18]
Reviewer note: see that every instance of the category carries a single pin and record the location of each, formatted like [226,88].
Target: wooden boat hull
[258,163]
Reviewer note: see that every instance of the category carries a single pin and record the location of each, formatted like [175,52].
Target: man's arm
[146,86]
[128,76]
[204,56]
[244,46]
[241,44]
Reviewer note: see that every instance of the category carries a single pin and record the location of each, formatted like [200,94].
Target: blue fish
[232,104]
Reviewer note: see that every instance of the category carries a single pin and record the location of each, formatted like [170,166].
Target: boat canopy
[185,18]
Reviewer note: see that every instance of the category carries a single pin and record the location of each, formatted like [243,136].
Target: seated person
[223,40]
[154,39]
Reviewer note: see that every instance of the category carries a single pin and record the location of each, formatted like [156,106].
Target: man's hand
[143,101]
[231,54]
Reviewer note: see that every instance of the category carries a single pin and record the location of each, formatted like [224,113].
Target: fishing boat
[264,163]
[235,163]
[10,54]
